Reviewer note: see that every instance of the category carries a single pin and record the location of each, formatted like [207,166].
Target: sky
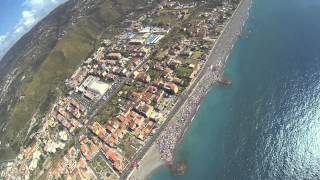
[17,17]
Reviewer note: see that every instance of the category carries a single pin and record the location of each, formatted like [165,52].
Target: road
[217,56]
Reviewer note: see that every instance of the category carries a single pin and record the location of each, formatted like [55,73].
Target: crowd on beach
[174,131]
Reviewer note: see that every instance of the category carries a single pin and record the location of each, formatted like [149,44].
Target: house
[76,104]
[168,86]
[135,96]
[136,61]
[157,98]
[174,63]
[178,81]
[171,87]
[158,66]
[114,56]
[124,121]
[110,140]
[78,77]
[116,158]
[167,72]
[111,77]
[139,134]
[141,76]
[152,89]
[148,129]
[88,149]
[136,120]
[98,130]
[65,123]
[186,53]
[118,133]
[144,109]
[112,125]
[147,97]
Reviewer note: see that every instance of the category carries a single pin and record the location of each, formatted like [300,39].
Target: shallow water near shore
[267,124]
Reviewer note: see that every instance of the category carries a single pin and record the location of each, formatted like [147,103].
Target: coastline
[149,163]
[191,99]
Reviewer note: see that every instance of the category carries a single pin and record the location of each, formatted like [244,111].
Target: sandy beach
[150,162]
[162,151]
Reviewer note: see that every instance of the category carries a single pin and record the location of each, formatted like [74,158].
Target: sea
[266,125]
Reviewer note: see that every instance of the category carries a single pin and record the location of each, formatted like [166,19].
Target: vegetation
[108,110]
[45,76]
[154,74]
[183,72]
[101,168]
[128,146]
[197,55]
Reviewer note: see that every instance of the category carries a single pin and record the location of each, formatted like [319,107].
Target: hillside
[32,73]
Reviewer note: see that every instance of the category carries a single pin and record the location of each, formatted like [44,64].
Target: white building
[94,85]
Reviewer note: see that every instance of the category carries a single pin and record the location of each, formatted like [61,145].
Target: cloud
[2,38]
[36,10]
[28,19]
[33,12]
[19,30]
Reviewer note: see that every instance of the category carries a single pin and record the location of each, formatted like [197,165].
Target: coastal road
[218,55]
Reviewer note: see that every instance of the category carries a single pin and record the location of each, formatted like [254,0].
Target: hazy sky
[18,16]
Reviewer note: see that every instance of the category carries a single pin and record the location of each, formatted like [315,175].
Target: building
[78,77]
[144,109]
[98,130]
[171,87]
[141,76]
[154,38]
[114,56]
[178,81]
[137,41]
[98,87]
[94,85]
[116,158]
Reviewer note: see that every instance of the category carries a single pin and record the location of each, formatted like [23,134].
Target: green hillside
[34,95]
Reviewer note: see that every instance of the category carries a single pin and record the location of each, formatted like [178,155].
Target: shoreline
[180,122]
[205,81]
[149,163]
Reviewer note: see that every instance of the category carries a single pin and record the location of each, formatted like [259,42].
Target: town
[121,96]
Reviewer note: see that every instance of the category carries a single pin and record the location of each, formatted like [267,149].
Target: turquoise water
[267,125]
